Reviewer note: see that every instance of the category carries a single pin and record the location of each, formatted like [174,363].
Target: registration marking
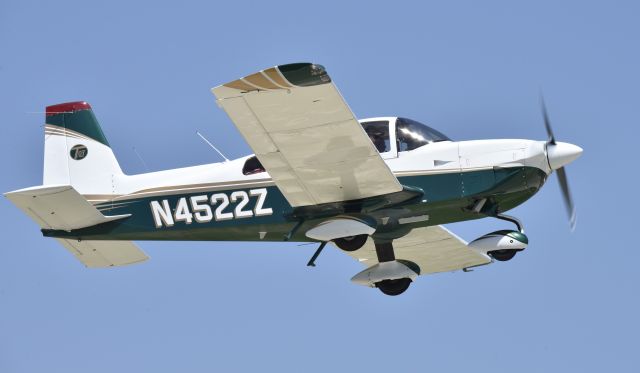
[206,208]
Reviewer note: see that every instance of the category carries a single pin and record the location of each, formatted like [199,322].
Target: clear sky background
[471,69]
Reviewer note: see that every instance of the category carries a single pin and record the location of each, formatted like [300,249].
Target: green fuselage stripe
[448,197]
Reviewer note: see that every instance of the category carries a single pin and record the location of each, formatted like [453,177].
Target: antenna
[146,168]
[211,145]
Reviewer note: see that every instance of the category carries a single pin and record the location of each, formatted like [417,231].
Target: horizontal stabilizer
[100,254]
[59,207]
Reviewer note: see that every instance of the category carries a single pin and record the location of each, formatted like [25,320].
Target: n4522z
[205,208]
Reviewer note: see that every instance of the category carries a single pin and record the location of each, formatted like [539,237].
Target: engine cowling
[500,240]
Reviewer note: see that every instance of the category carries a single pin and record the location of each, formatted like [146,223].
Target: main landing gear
[391,280]
[392,276]
[352,243]
[394,287]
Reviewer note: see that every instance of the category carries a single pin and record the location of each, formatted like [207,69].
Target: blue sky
[471,69]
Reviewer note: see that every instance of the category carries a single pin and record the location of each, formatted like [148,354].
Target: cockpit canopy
[408,134]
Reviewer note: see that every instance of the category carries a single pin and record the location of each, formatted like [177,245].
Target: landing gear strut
[511,219]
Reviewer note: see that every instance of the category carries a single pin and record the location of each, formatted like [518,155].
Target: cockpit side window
[252,166]
[378,132]
[411,134]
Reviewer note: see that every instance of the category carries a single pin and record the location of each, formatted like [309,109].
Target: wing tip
[305,74]
[298,74]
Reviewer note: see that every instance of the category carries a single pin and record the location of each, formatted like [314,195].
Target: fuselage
[219,202]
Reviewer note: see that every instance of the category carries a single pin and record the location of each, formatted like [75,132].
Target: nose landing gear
[505,255]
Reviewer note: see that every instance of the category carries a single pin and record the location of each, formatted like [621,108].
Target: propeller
[558,155]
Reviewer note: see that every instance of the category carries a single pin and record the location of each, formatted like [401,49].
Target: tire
[352,243]
[394,287]
[503,255]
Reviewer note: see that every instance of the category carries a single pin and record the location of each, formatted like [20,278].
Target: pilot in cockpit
[378,141]
[379,136]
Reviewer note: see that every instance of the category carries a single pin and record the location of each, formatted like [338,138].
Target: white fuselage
[435,158]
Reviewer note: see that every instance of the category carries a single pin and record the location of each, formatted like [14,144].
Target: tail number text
[205,208]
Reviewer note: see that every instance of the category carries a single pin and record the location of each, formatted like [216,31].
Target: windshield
[411,134]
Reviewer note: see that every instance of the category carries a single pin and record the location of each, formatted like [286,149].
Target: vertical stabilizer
[76,151]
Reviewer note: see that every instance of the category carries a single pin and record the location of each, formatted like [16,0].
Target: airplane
[379,188]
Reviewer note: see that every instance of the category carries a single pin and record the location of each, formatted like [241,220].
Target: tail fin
[76,152]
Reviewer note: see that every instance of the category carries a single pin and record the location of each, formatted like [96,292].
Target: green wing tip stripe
[305,74]
[81,121]
[513,234]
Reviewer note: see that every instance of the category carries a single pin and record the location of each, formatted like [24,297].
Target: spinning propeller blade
[547,122]
[558,155]
[568,201]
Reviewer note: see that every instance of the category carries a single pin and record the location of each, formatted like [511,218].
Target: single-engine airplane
[378,188]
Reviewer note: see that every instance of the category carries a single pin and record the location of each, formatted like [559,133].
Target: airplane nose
[562,153]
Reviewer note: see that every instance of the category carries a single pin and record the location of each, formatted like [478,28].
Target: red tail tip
[68,107]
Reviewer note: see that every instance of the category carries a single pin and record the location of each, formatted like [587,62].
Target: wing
[434,249]
[305,135]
